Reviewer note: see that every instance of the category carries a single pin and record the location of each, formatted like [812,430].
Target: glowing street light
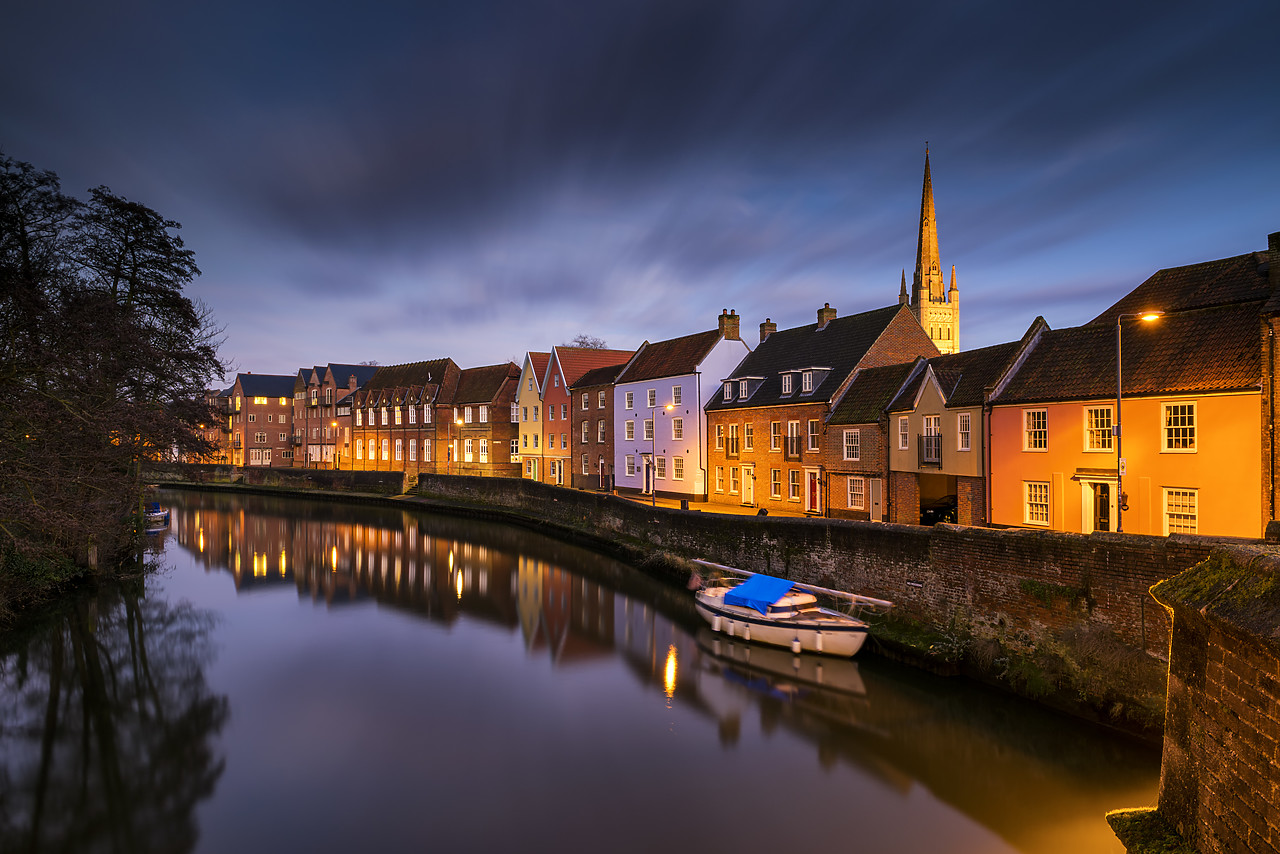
[1146,316]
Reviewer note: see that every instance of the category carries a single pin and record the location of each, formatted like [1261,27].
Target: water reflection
[853,734]
[107,727]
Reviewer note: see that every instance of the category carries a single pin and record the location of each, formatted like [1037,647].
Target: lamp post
[336,455]
[1147,316]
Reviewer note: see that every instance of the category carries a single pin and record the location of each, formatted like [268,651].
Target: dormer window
[728,391]
[786,383]
[742,389]
[806,382]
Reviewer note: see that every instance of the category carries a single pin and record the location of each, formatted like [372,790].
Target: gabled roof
[1201,350]
[537,365]
[1242,278]
[962,377]
[481,385]
[266,385]
[576,361]
[606,375]
[870,393]
[671,358]
[410,374]
[839,347]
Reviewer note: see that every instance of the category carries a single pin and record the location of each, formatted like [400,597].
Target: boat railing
[866,602]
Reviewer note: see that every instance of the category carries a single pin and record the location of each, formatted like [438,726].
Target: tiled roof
[342,373]
[869,394]
[409,374]
[1208,349]
[1228,280]
[671,358]
[539,361]
[266,385]
[599,376]
[481,385]
[576,361]
[963,377]
[839,346]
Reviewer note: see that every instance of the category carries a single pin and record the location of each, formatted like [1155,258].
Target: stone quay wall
[1218,783]
[1015,585]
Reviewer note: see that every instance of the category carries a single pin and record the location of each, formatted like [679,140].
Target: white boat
[155,517]
[783,613]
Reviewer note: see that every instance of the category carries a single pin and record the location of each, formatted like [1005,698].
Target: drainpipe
[986,464]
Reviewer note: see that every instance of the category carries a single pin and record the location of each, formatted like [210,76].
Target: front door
[560,473]
[812,495]
[876,500]
[1096,509]
[749,485]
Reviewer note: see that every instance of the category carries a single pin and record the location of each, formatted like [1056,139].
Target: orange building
[1194,438]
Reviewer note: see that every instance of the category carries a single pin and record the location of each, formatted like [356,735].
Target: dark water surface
[316,677]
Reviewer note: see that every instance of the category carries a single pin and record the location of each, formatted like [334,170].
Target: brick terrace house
[321,433]
[487,435]
[591,433]
[529,409]
[1197,411]
[771,410]
[403,420]
[658,397]
[938,425]
[566,366]
[857,456]
[261,416]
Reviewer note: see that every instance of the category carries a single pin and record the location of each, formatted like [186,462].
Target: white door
[748,484]
[876,499]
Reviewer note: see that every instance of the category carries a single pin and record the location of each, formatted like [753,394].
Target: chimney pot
[729,325]
[767,328]
[826,314]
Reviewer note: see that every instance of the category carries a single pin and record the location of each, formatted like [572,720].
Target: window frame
[852,449]
[964,431]
[1035,438]
[1166,428]
[859,493]
[1194,514]
[1032,489]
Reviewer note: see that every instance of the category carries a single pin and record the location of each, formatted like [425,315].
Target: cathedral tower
[934,305]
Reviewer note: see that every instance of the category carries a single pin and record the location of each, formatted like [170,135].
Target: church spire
[903,298]
[928,282]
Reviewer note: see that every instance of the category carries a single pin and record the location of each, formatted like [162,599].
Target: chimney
[1273,247]
[826,314]
[729,324]
[767,328]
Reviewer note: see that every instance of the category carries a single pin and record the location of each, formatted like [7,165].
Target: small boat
[155,517]
[775,611]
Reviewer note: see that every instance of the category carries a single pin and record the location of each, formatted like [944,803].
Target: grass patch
[1145,831]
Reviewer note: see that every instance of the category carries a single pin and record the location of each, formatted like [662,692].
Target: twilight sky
[406,180]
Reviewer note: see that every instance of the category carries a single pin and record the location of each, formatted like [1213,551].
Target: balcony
[235,443]
[930,451]
[295,440]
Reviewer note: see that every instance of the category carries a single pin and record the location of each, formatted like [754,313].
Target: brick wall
[1010,583]
[1222,720]
[904,498]
[971,500]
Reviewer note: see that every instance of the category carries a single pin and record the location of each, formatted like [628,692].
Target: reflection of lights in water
[282,563]
[201,539]
[669,672]
[451,560]
[333,558]
[458,584]
[259,565]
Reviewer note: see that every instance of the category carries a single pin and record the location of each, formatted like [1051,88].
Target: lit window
[677,468]
[677,428]
[660,467]
[484,450]
[857,493]
[675,394]
[629,400]
[600,428]
[648,429]
[1098,430]
[398,450]
[484,413]
[1180,427]
[1035,436]
[852,444]
[1180,511]
[631,465]
[1036,503]
[629,431]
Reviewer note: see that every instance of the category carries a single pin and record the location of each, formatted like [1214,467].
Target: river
[314,676]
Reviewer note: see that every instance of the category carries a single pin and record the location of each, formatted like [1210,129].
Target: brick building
[856,458]
[322,413]
[403,419]
[937,426]
[260,414]
[768,420]
[486,437]
[592,431]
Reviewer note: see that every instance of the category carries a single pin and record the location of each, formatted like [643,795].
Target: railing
[930,451]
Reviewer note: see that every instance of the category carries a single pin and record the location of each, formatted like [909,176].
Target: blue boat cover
[759,592]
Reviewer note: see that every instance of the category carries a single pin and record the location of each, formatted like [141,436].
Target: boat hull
[832,634]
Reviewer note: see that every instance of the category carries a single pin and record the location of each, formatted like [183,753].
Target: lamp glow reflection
[669,672]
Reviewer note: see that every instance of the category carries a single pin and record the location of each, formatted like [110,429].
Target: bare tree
[589,341]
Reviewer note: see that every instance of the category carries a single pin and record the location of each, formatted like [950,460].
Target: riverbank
[1060,619]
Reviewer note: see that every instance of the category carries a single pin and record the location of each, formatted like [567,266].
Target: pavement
[710,506]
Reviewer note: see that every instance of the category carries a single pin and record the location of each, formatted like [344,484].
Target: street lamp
[653,452]
[336,455]
[1147,316]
